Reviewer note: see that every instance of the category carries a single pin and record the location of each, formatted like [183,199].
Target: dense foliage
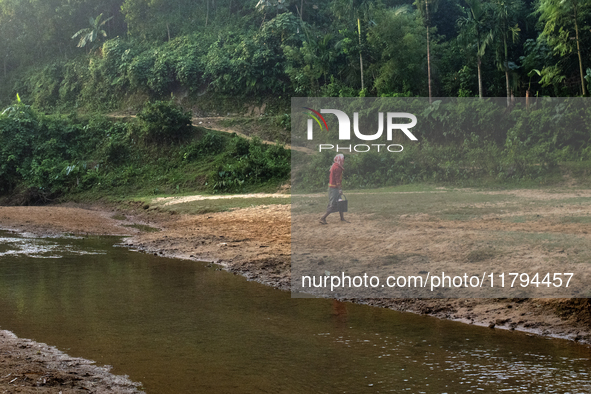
[228,53]
[270,48]
[467,142]
[43,157]
[163,122]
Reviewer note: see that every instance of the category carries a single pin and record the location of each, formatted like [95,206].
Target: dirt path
[165,201]
[214,123]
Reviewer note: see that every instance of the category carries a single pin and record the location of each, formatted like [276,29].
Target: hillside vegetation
[44,157]
[71,60]
[133,50]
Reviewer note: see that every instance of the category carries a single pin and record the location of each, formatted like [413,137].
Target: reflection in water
[339,314]
[180,327]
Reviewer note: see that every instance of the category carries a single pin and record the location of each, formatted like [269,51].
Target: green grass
[408,188]
[552,218]
[446,204]
[151,171]
[575,219]
[522,218]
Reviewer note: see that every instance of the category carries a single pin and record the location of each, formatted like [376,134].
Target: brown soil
[30,367]
[255,242]
[54,220]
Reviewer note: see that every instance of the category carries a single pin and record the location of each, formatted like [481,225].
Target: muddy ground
[256,242]
[30,367]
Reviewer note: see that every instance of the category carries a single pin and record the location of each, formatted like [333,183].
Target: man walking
[334,187]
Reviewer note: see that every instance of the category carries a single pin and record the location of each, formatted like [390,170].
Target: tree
[559,18]
[473,29]
[276,5]
[358,12]
[395,41]
[505,16]
[92,33]
[426,7]
[307,64]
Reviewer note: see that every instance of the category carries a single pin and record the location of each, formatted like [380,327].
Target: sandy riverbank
[255,242]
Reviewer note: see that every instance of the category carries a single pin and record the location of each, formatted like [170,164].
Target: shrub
[164,122]
[209,145]
[262,163]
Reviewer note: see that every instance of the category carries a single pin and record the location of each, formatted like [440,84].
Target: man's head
[339,159]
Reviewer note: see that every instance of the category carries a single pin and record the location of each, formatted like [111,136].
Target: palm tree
[351,10]
[423,7]
[505,16]
[473,27]
[92,33]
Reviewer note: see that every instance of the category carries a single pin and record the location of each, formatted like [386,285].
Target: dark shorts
[333,197]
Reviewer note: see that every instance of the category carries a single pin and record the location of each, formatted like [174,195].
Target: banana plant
[92,33]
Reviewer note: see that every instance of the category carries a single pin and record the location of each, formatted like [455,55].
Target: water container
[342,204]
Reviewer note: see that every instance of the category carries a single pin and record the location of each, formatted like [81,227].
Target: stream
[188,327]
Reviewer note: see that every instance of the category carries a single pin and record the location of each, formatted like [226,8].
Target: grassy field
[434,229]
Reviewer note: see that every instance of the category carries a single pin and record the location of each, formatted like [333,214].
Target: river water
[186,327]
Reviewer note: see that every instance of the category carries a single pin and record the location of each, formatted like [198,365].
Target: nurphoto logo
[344,122]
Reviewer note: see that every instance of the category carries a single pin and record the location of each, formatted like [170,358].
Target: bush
[41,155]
[164,122]
[262,163]
[209,145]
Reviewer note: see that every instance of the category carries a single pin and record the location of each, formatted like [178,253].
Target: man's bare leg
[343,217]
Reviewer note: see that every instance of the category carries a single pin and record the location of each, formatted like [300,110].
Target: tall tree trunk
[506,66]
[360,55]
[207,12]
[508,88]
[302,10]
[579,53]
[479,63]
[428,52]
[480,94]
